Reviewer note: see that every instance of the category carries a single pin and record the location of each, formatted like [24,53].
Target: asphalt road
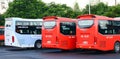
[17,53]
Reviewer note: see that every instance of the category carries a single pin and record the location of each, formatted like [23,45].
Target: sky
[82,3]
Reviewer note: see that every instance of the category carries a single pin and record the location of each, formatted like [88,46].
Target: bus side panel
[25,40]
[66,42]
[105,42]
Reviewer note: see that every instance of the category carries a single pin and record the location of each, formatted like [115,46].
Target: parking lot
[18,53]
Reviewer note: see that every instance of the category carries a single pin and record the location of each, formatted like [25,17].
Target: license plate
[48,42]
[85,42]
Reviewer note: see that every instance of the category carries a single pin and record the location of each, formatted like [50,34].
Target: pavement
[31,53]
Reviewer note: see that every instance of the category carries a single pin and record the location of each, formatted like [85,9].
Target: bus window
[28,27]
[1,31]
[35,29]
[85,23]
[26,23]
[19,23]
[116,25]
[49,24]
[105,27]
[68,28]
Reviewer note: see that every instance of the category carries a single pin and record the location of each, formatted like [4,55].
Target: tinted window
[68,28]
[116,25]
[105,27]
[28,27]
[1,31]
[85,23]
[49,24]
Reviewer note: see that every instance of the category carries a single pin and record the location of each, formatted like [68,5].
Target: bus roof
[117,18]
[55,18]
[91,16]
[23,19]
[50,17]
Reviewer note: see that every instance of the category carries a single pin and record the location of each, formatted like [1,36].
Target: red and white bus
[98,32]
[1,35]
[58,32]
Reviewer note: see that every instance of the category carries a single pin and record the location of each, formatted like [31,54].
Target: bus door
[67,35]
[50,32]
[87,32]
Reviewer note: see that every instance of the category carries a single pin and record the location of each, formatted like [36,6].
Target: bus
[98,32]
[59,33]
[1,35]
[23,33]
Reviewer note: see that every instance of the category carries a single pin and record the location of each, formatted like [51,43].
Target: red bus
[59,32]
[1,35]
[98,32]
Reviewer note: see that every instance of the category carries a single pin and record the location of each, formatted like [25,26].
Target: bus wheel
[38,44]
[117,47]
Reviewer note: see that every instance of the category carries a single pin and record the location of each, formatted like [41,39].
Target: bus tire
[38,44]
[116,47]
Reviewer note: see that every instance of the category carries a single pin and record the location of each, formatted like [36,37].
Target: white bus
[23,33]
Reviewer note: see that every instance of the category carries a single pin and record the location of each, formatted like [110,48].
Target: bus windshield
[68,28]
[28,27]
[1,31]
[49,24]
[85,23]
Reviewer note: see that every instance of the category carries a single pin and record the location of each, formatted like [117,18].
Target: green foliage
[98,9]
[26,9]
[59,10]
[103,9]
[38,9]
[113,11]
[76,7]
[1,20]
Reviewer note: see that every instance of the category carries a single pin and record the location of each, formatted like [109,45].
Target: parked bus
[1,35]
[98,32]
[58,32]
[24,33]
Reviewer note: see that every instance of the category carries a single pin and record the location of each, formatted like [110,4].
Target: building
[93,2]
[4,5]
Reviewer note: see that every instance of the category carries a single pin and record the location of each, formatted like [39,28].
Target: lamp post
[115,2]
[89,7]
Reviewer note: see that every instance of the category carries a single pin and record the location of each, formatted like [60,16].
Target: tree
[26,9]
[59,10]
[76,7]
[98,9]
[1,20]
[114,11]
[38,9]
